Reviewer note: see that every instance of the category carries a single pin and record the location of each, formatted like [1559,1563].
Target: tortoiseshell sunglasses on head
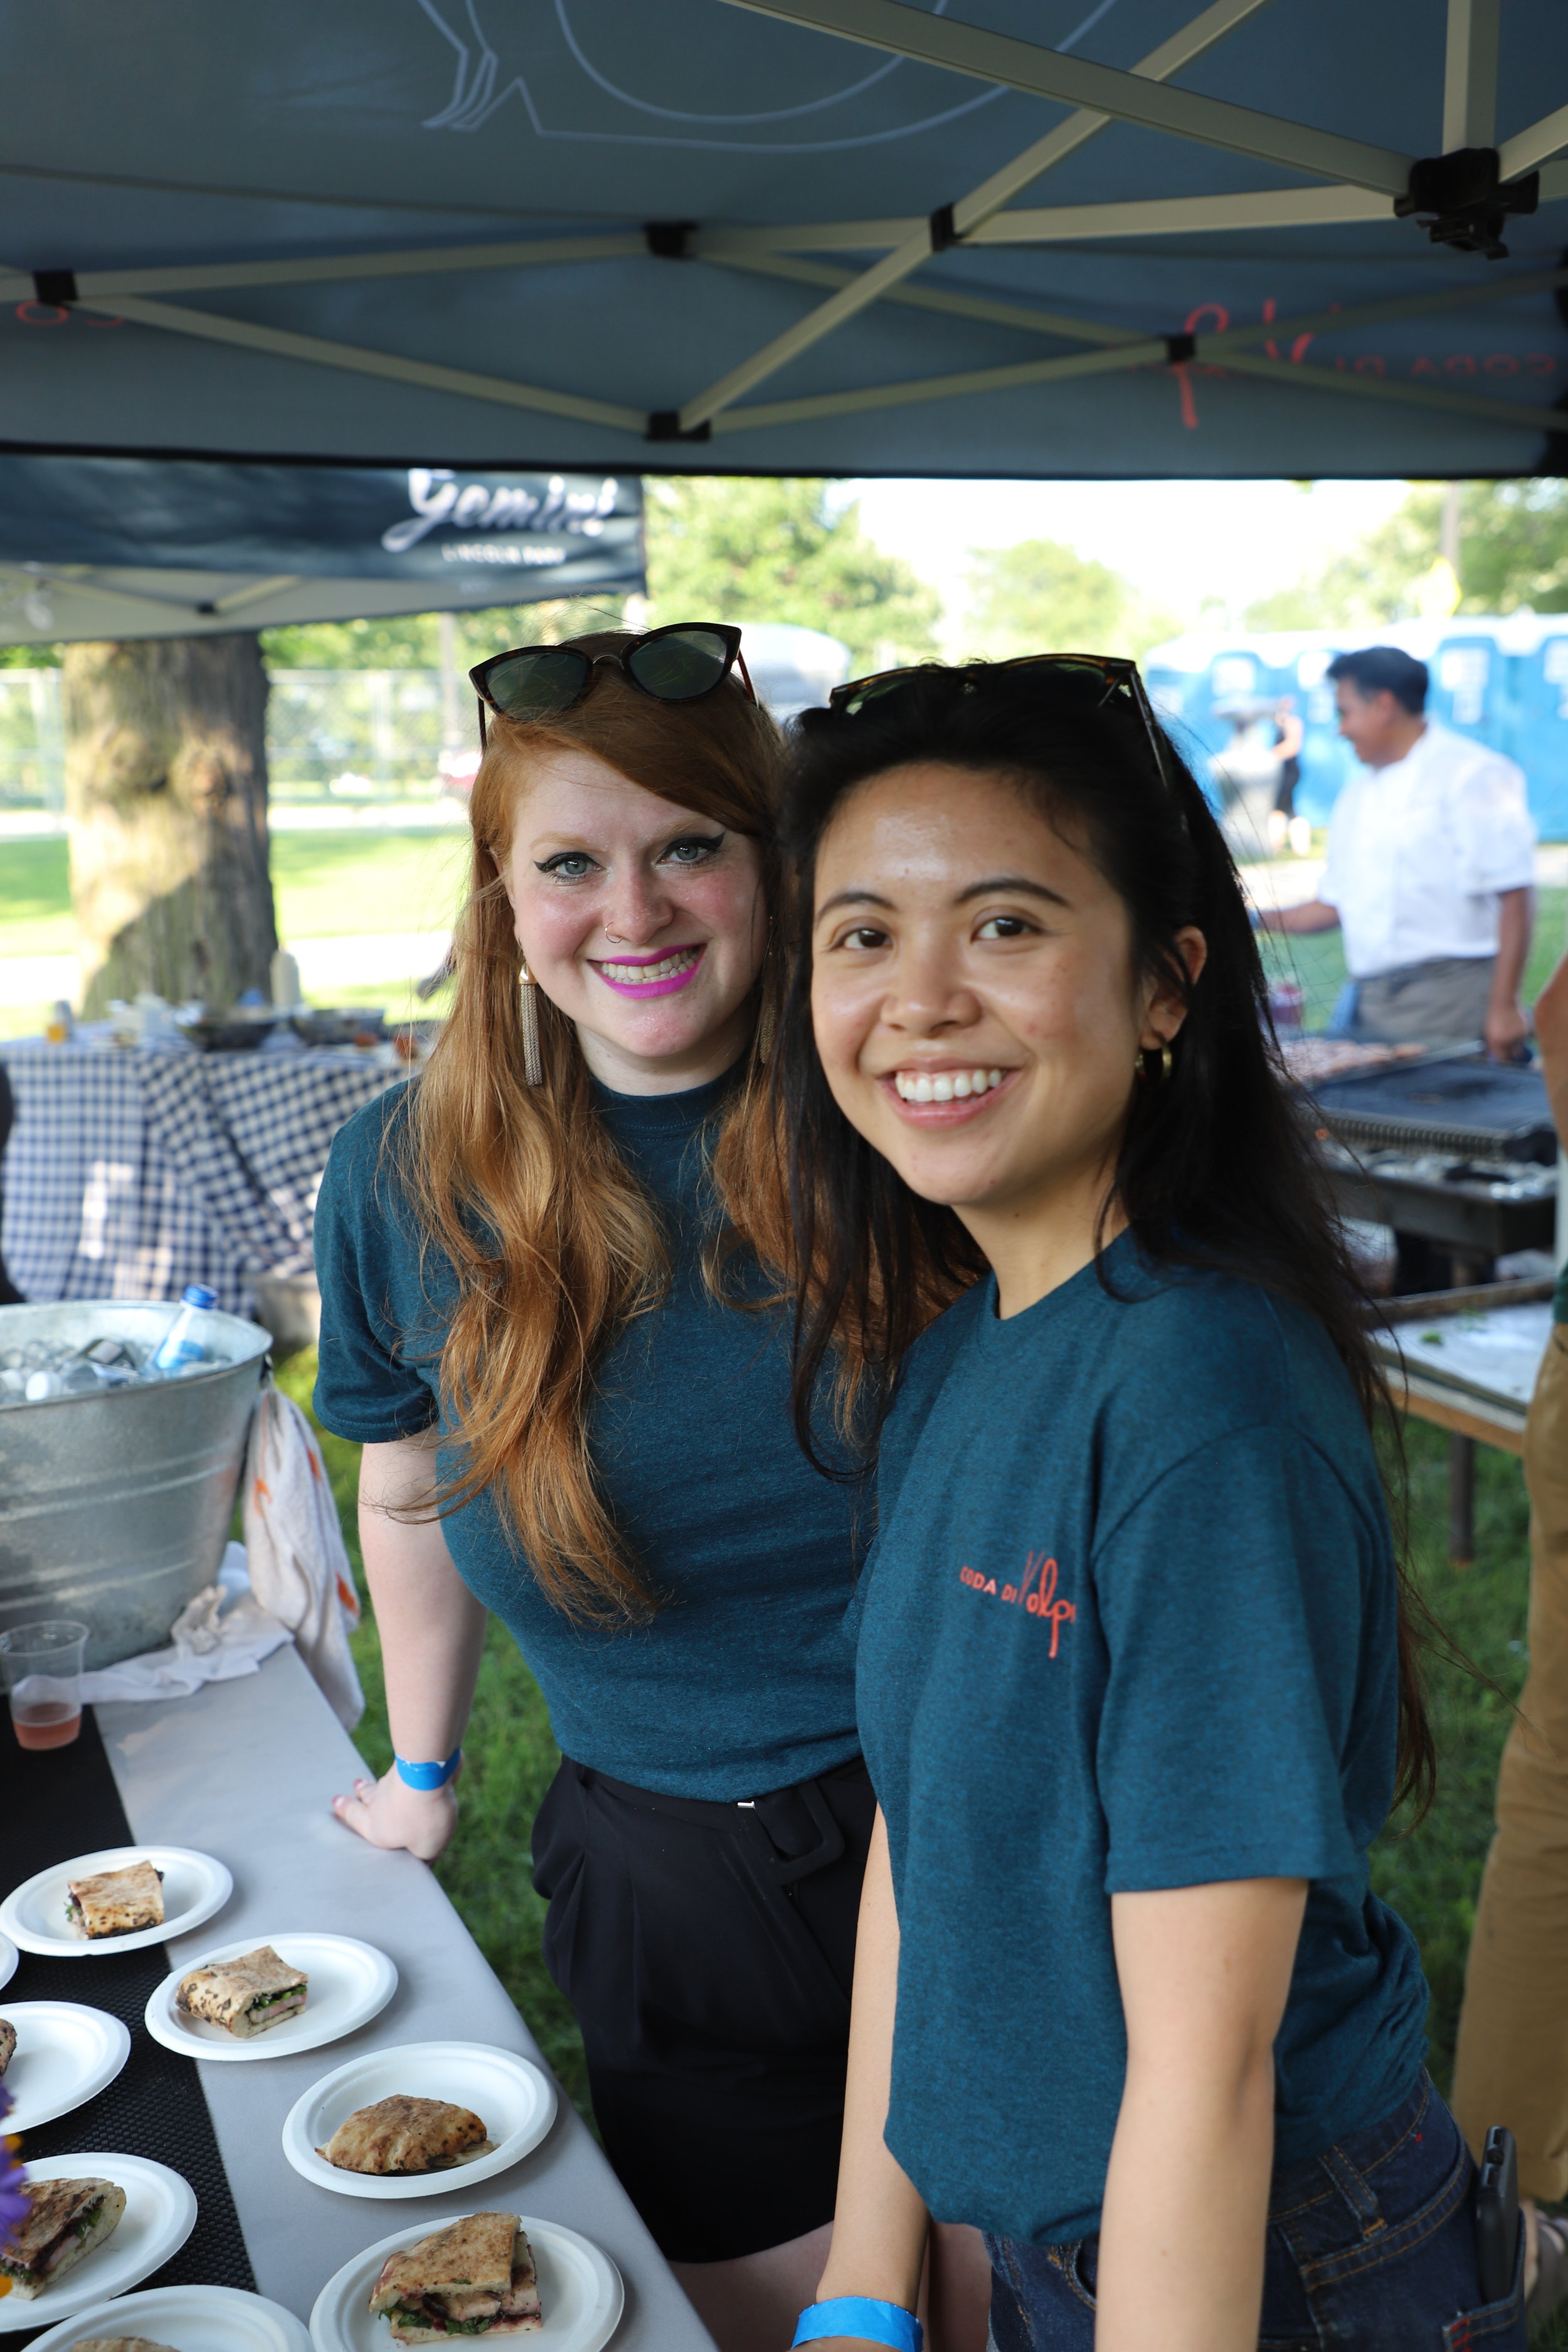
[1120,677]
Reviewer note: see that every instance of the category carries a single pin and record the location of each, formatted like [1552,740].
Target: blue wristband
[862,2315]
[428,1776]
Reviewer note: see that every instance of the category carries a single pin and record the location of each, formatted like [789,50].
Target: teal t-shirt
[1129,1624]
[742,1682]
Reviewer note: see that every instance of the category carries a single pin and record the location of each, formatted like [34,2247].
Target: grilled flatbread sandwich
[66,2219]
[474,2278]
[116,1902]
[406,2135]
[119,2343]
[7,2043]
[246,1995]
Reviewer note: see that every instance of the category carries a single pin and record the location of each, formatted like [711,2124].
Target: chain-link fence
[31,747]
[333,735]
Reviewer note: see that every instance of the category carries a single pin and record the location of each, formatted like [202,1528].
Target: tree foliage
[1513,555]
[735,550]
[1039,596]
[413,640]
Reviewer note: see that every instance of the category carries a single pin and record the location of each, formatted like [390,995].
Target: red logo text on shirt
[1035,1592]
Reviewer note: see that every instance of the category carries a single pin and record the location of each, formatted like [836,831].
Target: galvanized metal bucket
[115,1508]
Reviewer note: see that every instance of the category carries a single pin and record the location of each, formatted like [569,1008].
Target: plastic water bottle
[181,1343]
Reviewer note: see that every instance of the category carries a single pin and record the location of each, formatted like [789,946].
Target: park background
[368,863]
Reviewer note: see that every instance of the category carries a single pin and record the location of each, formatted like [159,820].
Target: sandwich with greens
[116,1902]
[66,2219]
[243,1996]
[475,2277]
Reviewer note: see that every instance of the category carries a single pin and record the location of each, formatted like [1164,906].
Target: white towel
[208,1644]
[300,1571]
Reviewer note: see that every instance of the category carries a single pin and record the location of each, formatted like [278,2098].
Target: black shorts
[709,1951]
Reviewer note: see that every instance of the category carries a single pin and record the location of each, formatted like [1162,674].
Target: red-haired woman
[535,1287]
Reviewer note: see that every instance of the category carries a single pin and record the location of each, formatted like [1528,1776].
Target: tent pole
[212,326]
[1528,148]
[1469,75]
[1072,81]
[916,250]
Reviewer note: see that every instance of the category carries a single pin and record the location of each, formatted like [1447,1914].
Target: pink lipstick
[671,969]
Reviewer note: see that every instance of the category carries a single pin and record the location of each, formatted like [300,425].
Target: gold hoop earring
[533,1059]
[1145,1056]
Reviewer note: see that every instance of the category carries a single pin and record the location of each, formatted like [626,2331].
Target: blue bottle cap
[197,1293]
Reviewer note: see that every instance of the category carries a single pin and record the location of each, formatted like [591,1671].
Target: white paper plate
[516,2102]
[350,1983]
[195,1887]
[65,2056]
[160,2214]
[580,2293]
[200,2318]
[9,1956]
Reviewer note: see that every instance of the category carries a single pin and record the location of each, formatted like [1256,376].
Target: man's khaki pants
[1511,2065]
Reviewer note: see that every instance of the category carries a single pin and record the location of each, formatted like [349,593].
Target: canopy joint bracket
[1460,200]
[664,424]
[670,240]
[1180,349]
[944,230]
[55,286]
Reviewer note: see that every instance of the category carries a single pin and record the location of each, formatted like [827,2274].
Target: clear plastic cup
[42,1666]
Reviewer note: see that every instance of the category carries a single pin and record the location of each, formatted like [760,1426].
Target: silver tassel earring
[533,1059]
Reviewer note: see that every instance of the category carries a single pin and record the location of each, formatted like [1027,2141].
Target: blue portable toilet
[1538,730]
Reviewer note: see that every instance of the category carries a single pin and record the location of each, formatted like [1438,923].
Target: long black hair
[1216,1168]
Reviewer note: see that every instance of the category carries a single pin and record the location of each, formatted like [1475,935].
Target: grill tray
[1478,1109]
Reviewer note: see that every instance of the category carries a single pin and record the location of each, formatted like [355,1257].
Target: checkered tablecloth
[130,1174]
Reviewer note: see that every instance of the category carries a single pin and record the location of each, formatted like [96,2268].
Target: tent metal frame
[1360,182]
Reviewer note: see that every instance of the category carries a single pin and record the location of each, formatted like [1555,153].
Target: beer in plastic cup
[42,1666]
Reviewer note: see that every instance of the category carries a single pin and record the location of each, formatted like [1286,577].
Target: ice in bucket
[40,1370]
[42,1666]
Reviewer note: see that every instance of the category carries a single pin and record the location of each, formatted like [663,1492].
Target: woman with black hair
[1136,1673]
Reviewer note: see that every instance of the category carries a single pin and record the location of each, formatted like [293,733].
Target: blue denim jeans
[1371,2249]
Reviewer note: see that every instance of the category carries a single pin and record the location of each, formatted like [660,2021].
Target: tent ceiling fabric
[990,237]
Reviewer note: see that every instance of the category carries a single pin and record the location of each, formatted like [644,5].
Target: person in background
[542,1319]
[1430,870]
[1284,825]
[1511,2060]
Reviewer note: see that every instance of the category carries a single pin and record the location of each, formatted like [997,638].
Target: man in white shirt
[1430,869]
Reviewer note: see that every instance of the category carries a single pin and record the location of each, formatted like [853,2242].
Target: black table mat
[56,1803]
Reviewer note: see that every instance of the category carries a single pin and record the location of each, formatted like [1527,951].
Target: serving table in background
[245,1770]
[132,1173]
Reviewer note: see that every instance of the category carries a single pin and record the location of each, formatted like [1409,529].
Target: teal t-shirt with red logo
[1129,1624]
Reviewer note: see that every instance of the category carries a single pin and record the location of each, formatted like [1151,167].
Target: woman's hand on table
[388,1812]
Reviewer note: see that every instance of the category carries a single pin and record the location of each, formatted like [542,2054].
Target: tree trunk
[166,798]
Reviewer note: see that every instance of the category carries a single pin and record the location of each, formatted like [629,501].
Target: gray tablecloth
[244,1770]
[130,1174]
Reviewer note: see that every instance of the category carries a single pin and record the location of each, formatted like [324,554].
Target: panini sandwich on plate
[116,1902]
[66,2219]
[246,1995]
[7,2043]
[119,2343]
[474,2278]
[402,2134]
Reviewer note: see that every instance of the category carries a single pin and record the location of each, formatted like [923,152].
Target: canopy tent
[177,547]
[999,236]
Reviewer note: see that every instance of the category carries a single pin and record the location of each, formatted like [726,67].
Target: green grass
[1317,959]
[35,897]
[510,1759]
[325,885]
